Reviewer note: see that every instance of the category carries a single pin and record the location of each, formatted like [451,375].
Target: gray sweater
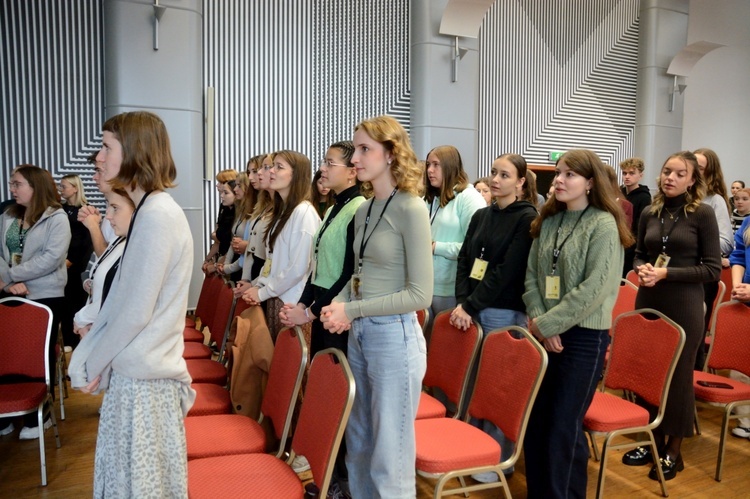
[138,332]
[42,268]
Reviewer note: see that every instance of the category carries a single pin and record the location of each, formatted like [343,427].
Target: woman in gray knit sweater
[572,280]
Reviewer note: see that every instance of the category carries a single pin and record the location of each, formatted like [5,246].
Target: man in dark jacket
[638,195]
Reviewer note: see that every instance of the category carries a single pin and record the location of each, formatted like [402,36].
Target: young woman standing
[244,200]
[676,254]
[451,201]
[392,279]
[572,280]
[134,348]
[492,265]
[741,209]
[288,239]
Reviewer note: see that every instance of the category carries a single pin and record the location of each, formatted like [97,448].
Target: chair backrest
[509,376]
[645,347]
[632,277]
[206,306]
[726,278]
[222,314]
[730,346]
[423,317]
[238,307]
[25,335]
[625,298]
[450,357]
[284,381]
[329,396]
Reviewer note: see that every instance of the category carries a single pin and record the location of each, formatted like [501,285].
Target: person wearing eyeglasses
[288,239]
[35,238]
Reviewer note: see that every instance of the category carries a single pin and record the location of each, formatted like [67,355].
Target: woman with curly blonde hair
[392,279]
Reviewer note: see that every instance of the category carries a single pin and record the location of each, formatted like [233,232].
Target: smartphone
[715,384]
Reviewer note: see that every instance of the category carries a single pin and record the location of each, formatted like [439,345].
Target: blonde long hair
[79,199]
[404,168]
[695,192]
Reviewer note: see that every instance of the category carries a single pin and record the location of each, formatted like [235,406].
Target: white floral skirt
[140,449]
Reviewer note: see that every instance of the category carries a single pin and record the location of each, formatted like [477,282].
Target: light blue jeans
[491,319]
[387,355]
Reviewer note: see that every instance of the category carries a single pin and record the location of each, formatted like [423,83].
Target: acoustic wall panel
[51,97]
[558,75]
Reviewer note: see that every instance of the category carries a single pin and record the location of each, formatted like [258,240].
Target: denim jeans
[555,446]
[387,355]
[491,319]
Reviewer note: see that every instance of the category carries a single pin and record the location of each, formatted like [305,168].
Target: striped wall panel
[291,74]
[51,97]
[558,75]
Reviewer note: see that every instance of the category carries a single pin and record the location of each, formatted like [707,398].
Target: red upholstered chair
[645,349]
[227,434]
[632,277]
[717,301]
[325,410]
[25,335]
[207,370]
[625,298]
[450,357]
[210,399]
[204,310]
[510,373]
[730,349]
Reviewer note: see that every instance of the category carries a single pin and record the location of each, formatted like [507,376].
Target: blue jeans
[491,319]
[555,447]
[387,355]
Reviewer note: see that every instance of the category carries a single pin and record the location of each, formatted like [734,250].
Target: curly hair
[455,178]
[632,164]
[602,194]
[713,175]
[404,169]
[695,192]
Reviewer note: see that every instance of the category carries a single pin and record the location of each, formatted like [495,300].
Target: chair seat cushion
[191,334]
[446,444]
[429,407]
[608,412]
[195,350]
[259,476]
[223,435]
[189,322]
[739,391]
[18,397]
[210,399]
[207,371]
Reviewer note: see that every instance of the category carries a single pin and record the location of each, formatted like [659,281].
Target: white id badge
[478,269]
[266,268]
[552,287]
[15,259]
[356,287]
[662,261]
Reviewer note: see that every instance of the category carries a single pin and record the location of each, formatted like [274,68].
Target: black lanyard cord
[364,242]
[556,251]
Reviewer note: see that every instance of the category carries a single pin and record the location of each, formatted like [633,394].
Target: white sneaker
[300,464]
[739,431]
[7,430]
[33,432]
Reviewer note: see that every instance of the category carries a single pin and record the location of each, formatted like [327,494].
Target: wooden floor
[70,468]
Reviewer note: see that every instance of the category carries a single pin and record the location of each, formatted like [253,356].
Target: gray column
[166,82]
[442,111]
[662,34]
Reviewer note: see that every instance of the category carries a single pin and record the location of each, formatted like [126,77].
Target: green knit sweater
[589,267]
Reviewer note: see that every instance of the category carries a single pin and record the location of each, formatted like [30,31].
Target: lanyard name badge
[479,268]
[552,281]
[663,259]
[356,293]
[104,256]
[17,257]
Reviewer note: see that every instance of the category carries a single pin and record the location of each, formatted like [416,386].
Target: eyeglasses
[16,185]
[328,163]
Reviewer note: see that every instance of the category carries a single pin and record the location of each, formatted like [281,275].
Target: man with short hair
[638,195]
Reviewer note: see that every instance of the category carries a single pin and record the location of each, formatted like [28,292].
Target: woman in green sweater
[572,280]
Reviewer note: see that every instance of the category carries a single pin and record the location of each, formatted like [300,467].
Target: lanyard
[21,234]
[434,214]
[330,218]
[111,248]
[665,238]
[364,242]
[556,251]
[132,222]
